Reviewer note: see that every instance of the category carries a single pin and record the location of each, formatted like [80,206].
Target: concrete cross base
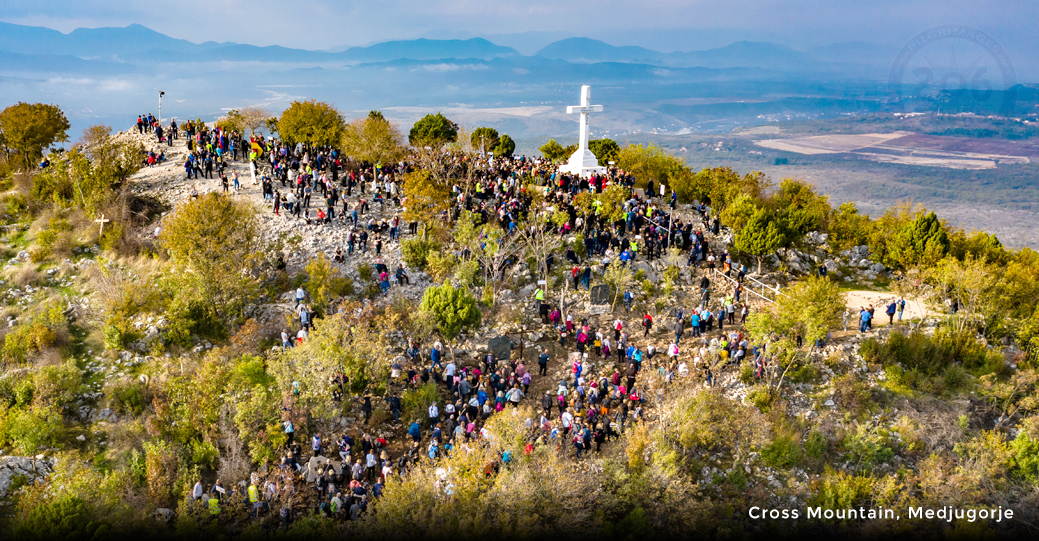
[582,163]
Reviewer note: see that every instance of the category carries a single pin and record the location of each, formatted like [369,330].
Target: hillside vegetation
[169,334]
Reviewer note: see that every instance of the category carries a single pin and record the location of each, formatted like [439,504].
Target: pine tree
[761,236]
[922,241]
[452,309]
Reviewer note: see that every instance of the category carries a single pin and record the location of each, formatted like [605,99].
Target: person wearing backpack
[600,437]
[578,442]
[891,309]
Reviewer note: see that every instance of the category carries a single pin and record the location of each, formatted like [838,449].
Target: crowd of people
[608,367]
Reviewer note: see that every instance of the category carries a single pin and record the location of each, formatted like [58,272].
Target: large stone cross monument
[583,162]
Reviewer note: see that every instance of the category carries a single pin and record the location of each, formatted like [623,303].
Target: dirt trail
[856,300]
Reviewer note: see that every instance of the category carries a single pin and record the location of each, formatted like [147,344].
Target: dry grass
[23,181]
[938,421]
[48,357]
[234,461]
[123,436]
[24,275]
[9,311]
[128,283]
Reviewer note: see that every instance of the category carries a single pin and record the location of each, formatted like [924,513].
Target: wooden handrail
[749,290]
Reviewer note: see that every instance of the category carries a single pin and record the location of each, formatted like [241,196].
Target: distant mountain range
[109,75]
[743,54]
[136,44]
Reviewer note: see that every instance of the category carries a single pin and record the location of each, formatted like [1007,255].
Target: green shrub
[867,448]
[467,273]
[453,309]
[580,248]
[57,386]
[839,490]
[324,284]
[46,238]
[783,452]
[29,430]
[747,372]
[737,477]
[415,252]
[137,467]
[806,373]
[43,330]
[64,517]
[761,396]
[203,453]
[414,403]
[441,265]
[850,394]
[898,381]
[711,422]
[931,355]
[24,391]
[13,203]
[872,351]
[955,377]
[1026,456]
[188,318]
[649,289]
[816,445]
[127,397]
[115,337]
[251,370]
[990,453]
[112,236]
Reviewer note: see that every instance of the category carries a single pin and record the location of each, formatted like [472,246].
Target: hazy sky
[321,24]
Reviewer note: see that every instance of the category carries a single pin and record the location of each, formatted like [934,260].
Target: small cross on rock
[101,221]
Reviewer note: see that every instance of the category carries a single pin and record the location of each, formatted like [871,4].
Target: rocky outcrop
[28,469]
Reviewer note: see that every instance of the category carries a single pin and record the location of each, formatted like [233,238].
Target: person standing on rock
[286,343]
[277,203]
[434,415]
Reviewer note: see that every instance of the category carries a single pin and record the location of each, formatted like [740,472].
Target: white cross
[585,108]
[101,221]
